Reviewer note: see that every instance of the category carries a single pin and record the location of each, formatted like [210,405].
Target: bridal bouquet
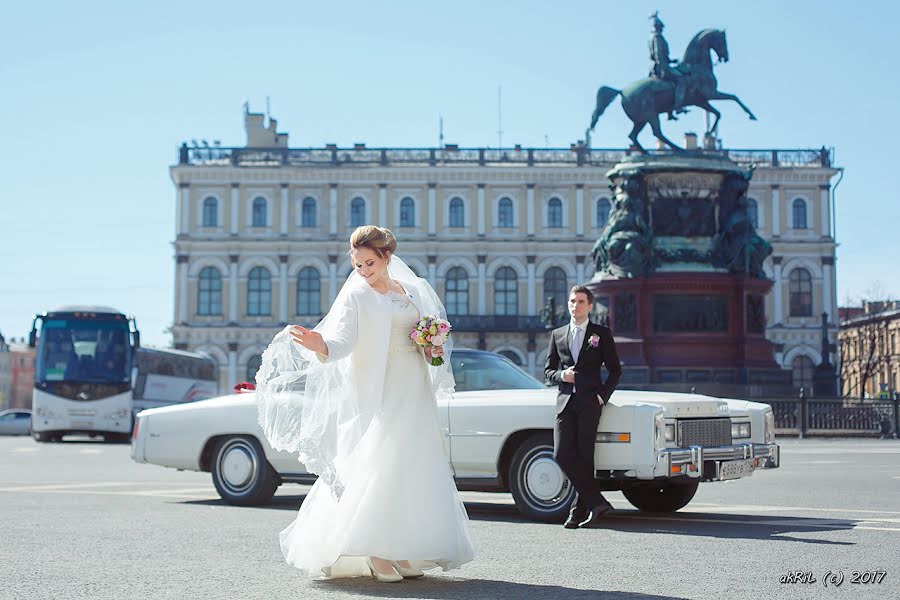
[431,332]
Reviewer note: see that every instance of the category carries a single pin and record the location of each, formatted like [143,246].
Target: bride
[356,399]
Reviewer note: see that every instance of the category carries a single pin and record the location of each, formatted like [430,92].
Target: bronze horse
[645,99]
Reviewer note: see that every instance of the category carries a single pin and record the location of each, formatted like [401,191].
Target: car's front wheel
[539,487]
[241,473]
[41,437]
[661,497]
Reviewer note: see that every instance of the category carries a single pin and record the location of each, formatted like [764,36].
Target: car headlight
[770,427]
[740,430]
[670,432]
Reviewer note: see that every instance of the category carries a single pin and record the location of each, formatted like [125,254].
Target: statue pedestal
[679,270]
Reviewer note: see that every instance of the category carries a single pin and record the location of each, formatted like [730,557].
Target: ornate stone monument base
[679,277]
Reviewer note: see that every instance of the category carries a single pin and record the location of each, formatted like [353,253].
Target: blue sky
[98,95]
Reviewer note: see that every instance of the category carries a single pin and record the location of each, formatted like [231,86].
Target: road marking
[62,486]
[770,508]
[25,449]
[89,451]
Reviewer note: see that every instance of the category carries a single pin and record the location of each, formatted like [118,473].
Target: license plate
[736,469]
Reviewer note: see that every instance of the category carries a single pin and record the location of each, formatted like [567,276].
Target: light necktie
[576,343]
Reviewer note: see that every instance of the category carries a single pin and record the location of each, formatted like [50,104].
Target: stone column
[825,213]
[828,288]
[283,289]
[529,208]
[778,314]
[531,285]
[382,204]
[432,209]
[579,270]
[579,209]
[482,284]
[332,278]
[481,214]
[332,210]
[776,210]
[432,270]
[182,210]
[233,289]
[235,207]
[183,290]
[284,209]
[232,366]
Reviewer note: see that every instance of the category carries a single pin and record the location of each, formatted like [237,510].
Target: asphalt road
[80,520]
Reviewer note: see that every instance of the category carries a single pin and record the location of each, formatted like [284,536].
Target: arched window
[209,292]
[602,212]
[457,291]
[556,286]
[259,212]
[554,212]
[309,292]
[753,212]
[407,212]
[259,292]
[798,208]
[802,373]
[506,292]
[505,213]
[308,213]
[210,212]
[800,290]
[457,213]
[253,366]
[512,356]
[357,212]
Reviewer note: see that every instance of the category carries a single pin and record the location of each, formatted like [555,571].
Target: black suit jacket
[588,376]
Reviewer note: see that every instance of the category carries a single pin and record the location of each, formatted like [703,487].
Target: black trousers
[573,440]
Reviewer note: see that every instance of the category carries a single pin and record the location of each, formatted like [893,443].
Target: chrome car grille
[704,432]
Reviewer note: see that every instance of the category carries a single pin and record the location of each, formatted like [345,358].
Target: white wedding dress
[399,501]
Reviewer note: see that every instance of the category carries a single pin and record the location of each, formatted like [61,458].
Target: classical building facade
[261,238]
[5,373]
[870,356]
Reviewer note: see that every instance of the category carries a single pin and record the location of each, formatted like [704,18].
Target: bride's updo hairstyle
[378,239]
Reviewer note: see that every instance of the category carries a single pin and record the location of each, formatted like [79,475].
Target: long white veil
[321,409]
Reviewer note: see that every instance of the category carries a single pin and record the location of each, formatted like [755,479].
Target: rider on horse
[663,66]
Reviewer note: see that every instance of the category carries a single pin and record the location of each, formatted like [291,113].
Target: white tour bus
[92,375]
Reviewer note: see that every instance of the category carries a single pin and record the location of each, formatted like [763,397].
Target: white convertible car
[655,447]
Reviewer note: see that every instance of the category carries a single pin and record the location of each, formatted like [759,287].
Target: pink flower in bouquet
[438,340]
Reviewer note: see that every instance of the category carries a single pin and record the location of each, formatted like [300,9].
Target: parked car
[656,447]
[16,421]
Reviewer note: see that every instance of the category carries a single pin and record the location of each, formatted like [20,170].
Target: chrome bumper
[689,461]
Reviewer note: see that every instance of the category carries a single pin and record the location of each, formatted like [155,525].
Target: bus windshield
[83,350]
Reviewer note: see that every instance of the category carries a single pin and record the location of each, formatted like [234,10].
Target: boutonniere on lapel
[594,340]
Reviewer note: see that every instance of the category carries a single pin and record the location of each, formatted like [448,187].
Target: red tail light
[134,432]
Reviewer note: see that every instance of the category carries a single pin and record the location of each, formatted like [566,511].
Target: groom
[577,351]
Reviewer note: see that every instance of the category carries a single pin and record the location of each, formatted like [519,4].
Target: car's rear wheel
[241,473]
[539,487]
[661,497]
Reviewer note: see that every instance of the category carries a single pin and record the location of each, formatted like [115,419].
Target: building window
[259,292]
[259,212]
[602,212]
[210,212]
[798,207]
[753,212]
[309,292]
[253,366]
[457,291]
[802,372]
[407,212]
[800,290]
[457,213]
[556,286]
[554,213]
[512,356]
[505,213]
[209,293]
[357,212]
[506,292]
[308,213]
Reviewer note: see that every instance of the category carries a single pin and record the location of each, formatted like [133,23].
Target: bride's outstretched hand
[309,339]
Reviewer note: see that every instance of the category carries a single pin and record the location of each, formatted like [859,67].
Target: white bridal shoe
[407,573]
[391,577]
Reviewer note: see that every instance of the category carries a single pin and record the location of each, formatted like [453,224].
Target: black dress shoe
[575,517]
[595,516]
